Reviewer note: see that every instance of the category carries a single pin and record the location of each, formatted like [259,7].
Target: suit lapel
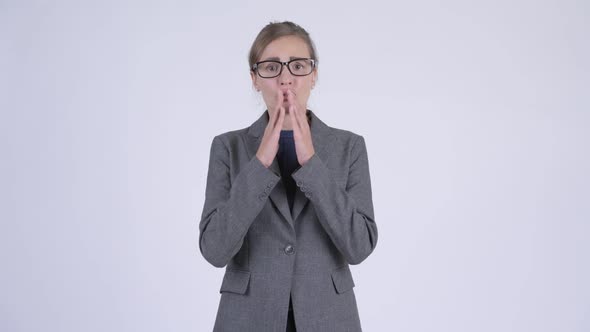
[278,196]
[321,138]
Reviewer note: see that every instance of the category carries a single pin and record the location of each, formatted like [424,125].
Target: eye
[299,66]
[271,67]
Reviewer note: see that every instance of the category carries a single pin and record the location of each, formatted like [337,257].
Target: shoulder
[322,128]
[346,138]
[230,138]
[344,134]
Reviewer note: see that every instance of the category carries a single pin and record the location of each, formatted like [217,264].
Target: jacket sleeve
[231,206]
[345,213]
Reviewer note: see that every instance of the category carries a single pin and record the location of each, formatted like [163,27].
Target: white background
[476,117]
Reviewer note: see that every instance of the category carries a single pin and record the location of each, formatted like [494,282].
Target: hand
[301,131]
[270,140]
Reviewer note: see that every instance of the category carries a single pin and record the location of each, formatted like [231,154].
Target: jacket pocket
[342,279]
[235,281]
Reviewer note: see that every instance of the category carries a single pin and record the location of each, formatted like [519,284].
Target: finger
[272,118]
[294,120]
[290,97]
[275,119]
[293,101]
[303,120]
[293,94]
[299,112]
[279,98]
[279,124]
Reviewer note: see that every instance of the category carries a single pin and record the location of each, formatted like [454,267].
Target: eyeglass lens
[299,67]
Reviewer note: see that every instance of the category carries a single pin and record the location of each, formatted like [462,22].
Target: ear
[254,78]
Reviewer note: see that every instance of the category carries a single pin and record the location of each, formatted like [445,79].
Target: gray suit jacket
[270,252]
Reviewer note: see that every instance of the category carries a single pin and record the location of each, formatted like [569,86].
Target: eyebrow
[277,58]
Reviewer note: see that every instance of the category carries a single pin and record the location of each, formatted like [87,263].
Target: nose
[285,78]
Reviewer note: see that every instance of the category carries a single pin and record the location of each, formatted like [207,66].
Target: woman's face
[273,89]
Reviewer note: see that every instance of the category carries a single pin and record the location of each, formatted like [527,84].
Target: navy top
[287,159]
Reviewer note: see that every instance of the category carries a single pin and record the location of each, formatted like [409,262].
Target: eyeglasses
[273,68]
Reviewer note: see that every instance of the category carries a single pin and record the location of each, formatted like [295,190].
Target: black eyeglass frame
[283,64]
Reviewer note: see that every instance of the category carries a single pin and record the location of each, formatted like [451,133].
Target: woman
[288,203]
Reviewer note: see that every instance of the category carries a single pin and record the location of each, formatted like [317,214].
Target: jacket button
[289,249]
[299,183]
